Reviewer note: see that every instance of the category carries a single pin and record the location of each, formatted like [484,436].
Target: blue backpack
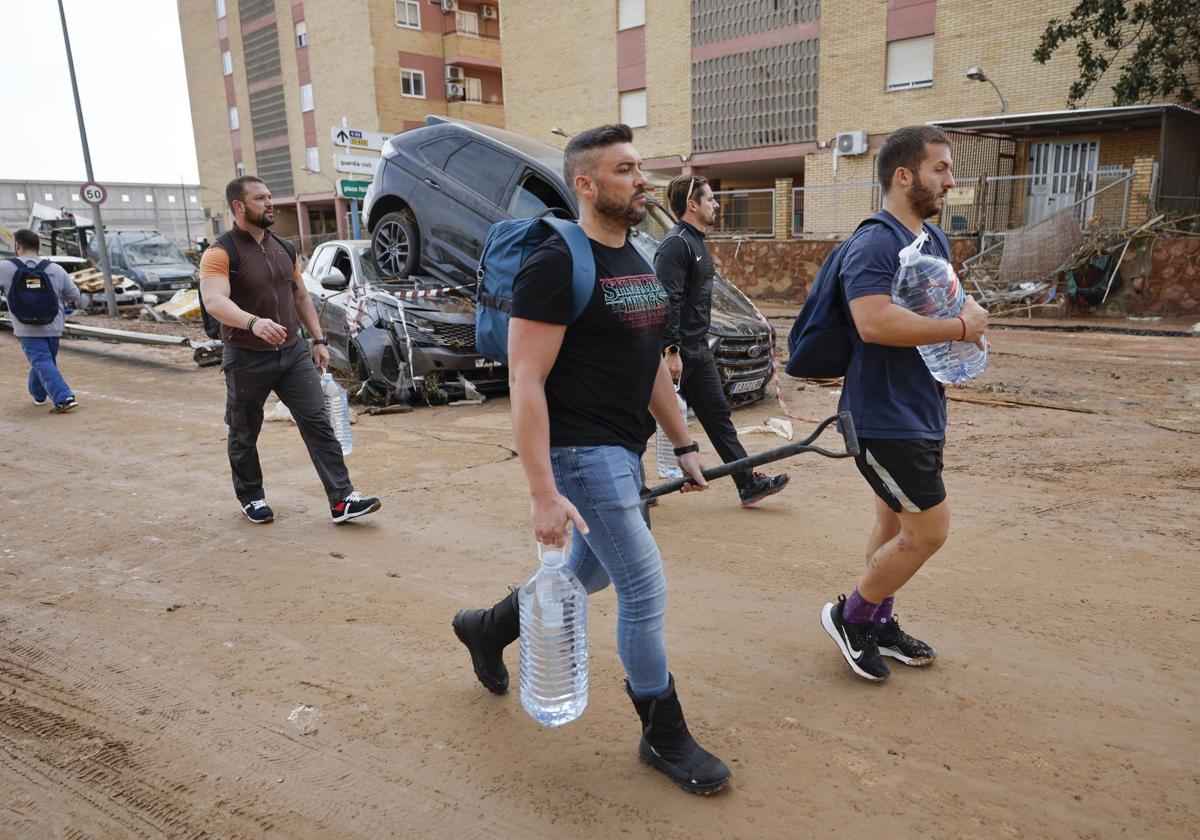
[507,246]
[822,337]
[36,303]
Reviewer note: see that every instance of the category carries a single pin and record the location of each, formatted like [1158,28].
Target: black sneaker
[856,642]
[352,507]
[64,406]
[761,486]
[897,644]
[258,512]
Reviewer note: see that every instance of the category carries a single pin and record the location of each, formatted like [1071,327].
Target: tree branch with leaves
[1152,45]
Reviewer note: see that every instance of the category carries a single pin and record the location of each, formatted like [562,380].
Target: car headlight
[712,342]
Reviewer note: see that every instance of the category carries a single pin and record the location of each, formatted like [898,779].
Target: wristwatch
[317,341]
[671,350]
[683,450]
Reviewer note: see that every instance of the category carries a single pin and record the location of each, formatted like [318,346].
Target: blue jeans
[44,378]
[604,483]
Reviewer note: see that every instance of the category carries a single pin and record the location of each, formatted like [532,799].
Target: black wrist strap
[684,450]
[317,341]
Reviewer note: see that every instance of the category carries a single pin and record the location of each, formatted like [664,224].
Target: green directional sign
[352,189]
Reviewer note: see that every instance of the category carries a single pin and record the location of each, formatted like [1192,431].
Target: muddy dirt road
[153,643]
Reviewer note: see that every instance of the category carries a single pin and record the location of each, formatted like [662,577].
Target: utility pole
[187,224]
[101,243]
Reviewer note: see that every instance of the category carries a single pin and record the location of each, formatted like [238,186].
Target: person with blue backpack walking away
[35,291]
[851,327]
[584,327]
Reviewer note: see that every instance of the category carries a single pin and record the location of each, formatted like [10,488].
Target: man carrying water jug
[899,409]
[250,283]
[580,388]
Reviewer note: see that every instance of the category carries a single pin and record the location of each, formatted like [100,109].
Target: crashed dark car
[439,188]
[405,343]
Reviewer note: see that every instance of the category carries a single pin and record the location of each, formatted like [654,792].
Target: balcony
[487,113]
[471,50]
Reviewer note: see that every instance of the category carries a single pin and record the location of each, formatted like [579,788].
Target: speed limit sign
[93,193]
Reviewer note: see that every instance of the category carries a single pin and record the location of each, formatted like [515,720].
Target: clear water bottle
[664,450]
[928,285]
[554,644]
[338,407]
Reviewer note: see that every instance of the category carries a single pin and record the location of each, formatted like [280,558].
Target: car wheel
[395,246]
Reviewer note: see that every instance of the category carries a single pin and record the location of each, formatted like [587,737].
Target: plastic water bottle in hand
[664,450]
[554,643]
[338,407]
[928,285]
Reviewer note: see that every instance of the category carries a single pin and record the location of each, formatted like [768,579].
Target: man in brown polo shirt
[261,306]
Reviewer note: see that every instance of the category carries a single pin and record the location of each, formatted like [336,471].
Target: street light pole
[101,244]
[187,224]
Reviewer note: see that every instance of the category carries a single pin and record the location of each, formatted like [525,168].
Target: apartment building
[271,82]
[783,104]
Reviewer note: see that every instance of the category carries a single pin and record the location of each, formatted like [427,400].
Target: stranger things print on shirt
[639,303]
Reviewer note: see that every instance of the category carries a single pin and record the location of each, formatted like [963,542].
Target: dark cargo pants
[700,386]
[250,376]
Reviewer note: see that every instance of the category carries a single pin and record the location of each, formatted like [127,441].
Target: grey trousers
[250,376]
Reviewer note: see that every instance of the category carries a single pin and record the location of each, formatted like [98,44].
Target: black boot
[486,633]
[668,746]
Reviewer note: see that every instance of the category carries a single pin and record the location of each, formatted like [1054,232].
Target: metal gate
[1059,172]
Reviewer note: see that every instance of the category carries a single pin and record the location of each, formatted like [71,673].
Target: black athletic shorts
[905,473]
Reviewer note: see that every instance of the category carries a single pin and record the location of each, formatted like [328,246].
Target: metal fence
[833,209]
[1098,199]
[745,213]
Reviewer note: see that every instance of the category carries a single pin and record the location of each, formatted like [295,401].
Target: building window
[631,13]
[227,63]
[48,196]
[306,102]
[233,119]
[20,196]
[220,8]
[408,14]
[149,198]
[633,108]
[301,34]
[74,196]
[191,199]
[125,197]
[467,23]
[910,63]
[412,83]
[239,169]
[474,89]
[170,198]
[314,159]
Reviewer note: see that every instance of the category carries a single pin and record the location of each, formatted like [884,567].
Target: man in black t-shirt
[686,270]
[580,390]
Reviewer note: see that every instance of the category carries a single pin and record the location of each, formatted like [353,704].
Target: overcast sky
[129,64]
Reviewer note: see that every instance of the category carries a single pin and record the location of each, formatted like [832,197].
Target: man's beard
[628,214]
[923,201]
[261,221]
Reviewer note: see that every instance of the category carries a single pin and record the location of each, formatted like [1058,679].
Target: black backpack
[32,299]
[212,327]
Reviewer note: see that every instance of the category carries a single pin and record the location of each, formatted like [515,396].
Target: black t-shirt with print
[598,392]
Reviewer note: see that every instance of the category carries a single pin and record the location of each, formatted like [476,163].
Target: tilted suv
[439,188]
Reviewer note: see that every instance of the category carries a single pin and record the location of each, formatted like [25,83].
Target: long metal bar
[786,451]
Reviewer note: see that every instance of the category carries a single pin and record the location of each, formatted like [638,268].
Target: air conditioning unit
[449,5]
[487,12]
[455,91]
[851,143]
[454,73]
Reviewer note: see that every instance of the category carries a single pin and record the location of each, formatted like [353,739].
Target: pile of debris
[184,305]
[1007,284]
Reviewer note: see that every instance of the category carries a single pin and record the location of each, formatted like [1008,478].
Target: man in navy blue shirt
[899,409]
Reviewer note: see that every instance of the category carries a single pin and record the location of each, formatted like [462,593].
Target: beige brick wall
[560,69]
[999,38]
[387,42]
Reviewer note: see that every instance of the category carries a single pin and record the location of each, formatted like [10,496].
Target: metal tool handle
[849,437]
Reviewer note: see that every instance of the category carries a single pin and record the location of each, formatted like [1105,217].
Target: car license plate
[744,387]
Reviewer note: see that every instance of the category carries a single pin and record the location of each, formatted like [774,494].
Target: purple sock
[884,614]
[858,610]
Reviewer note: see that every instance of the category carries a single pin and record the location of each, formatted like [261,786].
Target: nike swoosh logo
[854,654]
[698,259]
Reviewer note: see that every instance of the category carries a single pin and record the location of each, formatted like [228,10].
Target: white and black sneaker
[352,507]
[258,512]
[857,642]
[897,644]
